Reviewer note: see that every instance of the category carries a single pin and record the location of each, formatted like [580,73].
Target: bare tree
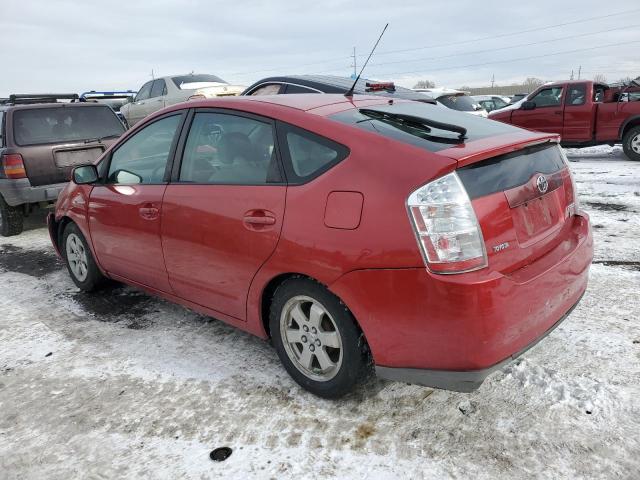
[624,80]
[600,78]
[425,84]
[531,83]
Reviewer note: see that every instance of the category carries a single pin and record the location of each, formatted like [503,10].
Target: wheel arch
[267,297]
[628,124]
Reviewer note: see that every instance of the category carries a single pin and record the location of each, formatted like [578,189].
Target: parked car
[585,113]
[162,92]
[435,244]
[40,142]
[115,99]
[491,102]
[329,84]
[454,99]
[517,97]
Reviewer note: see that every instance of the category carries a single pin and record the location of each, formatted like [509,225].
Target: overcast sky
[74,46]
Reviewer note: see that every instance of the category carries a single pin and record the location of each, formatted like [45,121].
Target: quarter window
[298,89]
[548,97]
[309,154]
[143,157]
[229,149]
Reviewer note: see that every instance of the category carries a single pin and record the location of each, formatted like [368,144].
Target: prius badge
[542,183]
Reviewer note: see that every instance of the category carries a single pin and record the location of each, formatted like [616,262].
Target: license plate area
[538,218]
[71,158]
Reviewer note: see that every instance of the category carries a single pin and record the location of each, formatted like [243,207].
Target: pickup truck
[584,113]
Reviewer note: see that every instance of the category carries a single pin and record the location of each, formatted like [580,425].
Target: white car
[162,92]
[492,102]
[454,99]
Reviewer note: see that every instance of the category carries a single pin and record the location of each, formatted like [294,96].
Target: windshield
[39,126]
[189,82]
[463,103]
[435,140]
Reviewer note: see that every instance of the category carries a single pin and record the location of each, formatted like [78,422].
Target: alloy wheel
[77,257]
[311,338]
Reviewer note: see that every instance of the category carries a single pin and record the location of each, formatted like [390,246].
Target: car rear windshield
[40,126]
[184,82]
[477,127]
[463,103]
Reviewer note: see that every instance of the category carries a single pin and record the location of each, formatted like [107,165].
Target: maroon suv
[41,140]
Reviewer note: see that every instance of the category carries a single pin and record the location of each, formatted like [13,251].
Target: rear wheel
[11,219]
[316,338]
[80,263]
[631,143]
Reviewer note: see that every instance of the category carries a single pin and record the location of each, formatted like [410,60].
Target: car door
[223,211]
[125,209]
[547,115]
[156,100]
[136,109]
[579,114]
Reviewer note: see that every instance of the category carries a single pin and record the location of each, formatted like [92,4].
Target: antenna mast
[350,91]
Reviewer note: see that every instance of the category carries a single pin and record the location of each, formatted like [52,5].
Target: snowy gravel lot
[123,385]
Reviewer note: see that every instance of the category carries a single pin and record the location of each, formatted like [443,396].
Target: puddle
[115,303]
[619,263]
[608,207]
[37,263]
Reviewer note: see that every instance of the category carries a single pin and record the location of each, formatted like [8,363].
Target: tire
[11,219]
[631,143]
[79,259]
[323,349]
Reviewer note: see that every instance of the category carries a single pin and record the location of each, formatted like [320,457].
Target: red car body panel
[348,229]
[590,123]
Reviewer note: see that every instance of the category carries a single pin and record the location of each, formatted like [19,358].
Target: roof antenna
[350,91]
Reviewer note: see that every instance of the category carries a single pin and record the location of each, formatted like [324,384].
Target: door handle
[258,220]
[558,112]
[148,211]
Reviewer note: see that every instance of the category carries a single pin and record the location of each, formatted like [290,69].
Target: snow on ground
[123,385]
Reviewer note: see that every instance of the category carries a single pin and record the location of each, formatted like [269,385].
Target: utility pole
[493,80]
[152,77]
[355,66]
[571,78]
[579,71]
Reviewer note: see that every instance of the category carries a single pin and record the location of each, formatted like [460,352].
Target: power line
[504,48]
[516,59]
[462,42]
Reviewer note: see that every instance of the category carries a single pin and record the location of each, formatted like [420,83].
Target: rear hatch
[54,139]
[522,200]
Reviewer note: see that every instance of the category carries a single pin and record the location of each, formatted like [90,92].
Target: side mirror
[528,105]
[85,174]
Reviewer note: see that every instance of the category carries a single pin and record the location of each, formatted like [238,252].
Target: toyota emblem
[542,183]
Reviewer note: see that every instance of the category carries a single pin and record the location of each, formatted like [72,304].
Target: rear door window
[39,126]
[230,150]
[142,158]
[270,89]
[306,154]
[576,94]
[158,89]
[290,88]
[144,91]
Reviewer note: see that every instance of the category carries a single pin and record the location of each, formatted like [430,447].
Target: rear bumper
[19,191]
[451,331]
[458,381]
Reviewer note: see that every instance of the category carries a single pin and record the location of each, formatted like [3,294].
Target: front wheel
[316,338]
[631,143]
[80,263]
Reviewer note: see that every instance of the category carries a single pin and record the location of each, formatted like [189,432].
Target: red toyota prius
[432,244]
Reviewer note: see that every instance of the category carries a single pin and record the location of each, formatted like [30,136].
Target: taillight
[13,166]
[572,196]
[446,226]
